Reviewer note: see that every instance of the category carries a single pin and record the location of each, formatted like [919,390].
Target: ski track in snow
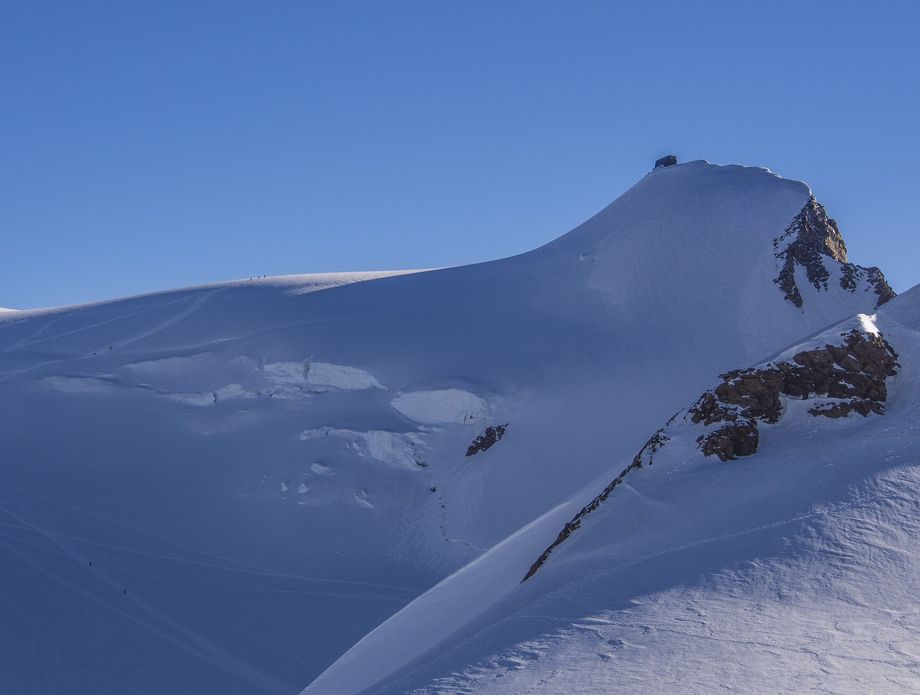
[235,566]
[145,614]
[151,618]
[33,339]
[195,305]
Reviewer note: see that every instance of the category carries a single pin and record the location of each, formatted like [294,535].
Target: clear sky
[149,145]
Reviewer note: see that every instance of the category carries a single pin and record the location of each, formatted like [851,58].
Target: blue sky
[148,145]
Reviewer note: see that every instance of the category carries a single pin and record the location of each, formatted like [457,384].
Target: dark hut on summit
[666,161]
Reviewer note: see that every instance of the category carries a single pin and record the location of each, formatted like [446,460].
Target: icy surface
[340,376]
[442,407]
[407,450]
[308,372]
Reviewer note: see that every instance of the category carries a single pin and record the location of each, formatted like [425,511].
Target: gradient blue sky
[148,145]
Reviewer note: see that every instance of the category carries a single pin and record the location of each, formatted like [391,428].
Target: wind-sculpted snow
[819,601]
[159,437]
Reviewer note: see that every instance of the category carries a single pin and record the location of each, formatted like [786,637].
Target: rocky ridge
[810,238]
[646,453]
[487,439]
[846,376]
[850,376]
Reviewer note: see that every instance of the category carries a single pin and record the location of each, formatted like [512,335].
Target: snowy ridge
[729,414]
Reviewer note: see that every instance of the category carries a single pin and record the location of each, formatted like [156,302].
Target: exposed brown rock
[810,235]
[487,439]
[651,447]
[737,438]
[809,238]
[854,372]
[754,391]
[880,284]
[852,274]
[862,406]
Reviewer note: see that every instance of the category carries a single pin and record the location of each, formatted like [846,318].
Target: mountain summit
[246,486]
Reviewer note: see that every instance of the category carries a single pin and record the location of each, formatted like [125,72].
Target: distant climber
[666,161]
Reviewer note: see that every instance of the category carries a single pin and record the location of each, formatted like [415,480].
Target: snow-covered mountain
[224,488]
[796,570]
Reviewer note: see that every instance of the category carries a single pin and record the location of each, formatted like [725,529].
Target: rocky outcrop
[853,275]
[738,438]
[810,235]
[853,372]
[647,453]
[849,376]
[810,239]
[487,439]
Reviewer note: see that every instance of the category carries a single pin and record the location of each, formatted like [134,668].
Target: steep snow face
[797,566]
[270,468]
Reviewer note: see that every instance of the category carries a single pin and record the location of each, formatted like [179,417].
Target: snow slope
[796,570]
[261,472]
